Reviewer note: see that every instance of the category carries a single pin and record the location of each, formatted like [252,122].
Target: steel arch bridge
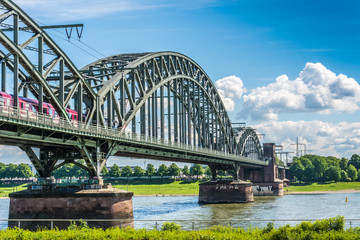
[158,105]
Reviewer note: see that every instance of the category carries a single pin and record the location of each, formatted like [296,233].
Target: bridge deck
[127,143]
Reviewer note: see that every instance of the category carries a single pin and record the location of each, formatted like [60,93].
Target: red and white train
[32,106]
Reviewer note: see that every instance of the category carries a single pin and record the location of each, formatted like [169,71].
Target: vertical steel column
[212,123]
[16,61]
[189,111]
[216,127]
[169,111]
[199,115]
[149,115]
[203,116]
[122,99]
[162,112]
[181,137]
[80,101]
[40,68]
[193,110]
[3,76]
[175,112]
[109,110]
[61,84]
[133,96]
[183,112]
[142,110]
[153,106]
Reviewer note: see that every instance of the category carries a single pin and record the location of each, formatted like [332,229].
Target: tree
[126,171]
[352,172]
[186,170]
[343,163]
[196,170]
[355,161]
[104,172]
[297,170]
[208,171]
[162,170]
[150,170]
[138,171]
[2,170]
[173,170]
[24,171]
[115,171]
[11,171]
[343,176]
[333,174]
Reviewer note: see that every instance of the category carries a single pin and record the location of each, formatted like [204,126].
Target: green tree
[173,170]
[11,171]
[162,170]
[196,170]
[126,171]
[352,172]
[343,163]
[297,170]
[309,172]
[138,172]
[150,170]
[115,171]
[355,161]
[2,170]
[333,174]
[24,171]
[186,170]
[104,172]
[343,176]
[208,171]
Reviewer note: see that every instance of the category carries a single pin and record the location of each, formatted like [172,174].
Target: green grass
[153,188]
[5,189]
[296,187]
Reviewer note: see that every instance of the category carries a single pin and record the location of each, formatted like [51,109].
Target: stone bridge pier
[247,182]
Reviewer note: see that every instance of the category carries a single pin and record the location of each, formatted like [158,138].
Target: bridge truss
[158,105]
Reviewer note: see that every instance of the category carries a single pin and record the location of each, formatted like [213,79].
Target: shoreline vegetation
[191,188]
[331,228]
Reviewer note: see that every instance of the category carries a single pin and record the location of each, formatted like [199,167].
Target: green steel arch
[171,79]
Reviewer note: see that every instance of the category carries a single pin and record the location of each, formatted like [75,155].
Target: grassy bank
[160,188]
[322,229]
[5,189]
[313,187]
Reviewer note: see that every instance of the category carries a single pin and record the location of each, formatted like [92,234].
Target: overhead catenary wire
[87,45]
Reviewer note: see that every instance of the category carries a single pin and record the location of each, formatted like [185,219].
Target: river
[159,209]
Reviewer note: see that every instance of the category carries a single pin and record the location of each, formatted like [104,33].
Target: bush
[269,227]
[170,226]
[329,224]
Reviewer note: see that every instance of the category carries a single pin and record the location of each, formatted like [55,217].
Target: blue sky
[295,63]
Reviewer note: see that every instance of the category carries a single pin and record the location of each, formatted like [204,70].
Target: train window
[22,105]
[75,116]
[45,110]
[50,112]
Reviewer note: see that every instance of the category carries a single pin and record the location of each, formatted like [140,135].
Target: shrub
[269,227]
[329,224]
[170,226]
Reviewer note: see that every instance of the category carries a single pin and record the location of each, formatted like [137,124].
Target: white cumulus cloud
[323,138]
[317,89]
[230,88]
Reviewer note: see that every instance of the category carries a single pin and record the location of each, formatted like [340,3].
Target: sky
[287,68]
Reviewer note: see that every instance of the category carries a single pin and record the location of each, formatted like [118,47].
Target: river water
[193,215]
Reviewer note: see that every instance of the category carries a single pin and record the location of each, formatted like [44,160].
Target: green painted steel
[158,105]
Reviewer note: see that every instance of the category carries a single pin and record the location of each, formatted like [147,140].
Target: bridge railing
[17,114]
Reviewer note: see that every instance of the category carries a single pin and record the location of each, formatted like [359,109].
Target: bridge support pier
[225,192]
[70,203]
[266,181]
